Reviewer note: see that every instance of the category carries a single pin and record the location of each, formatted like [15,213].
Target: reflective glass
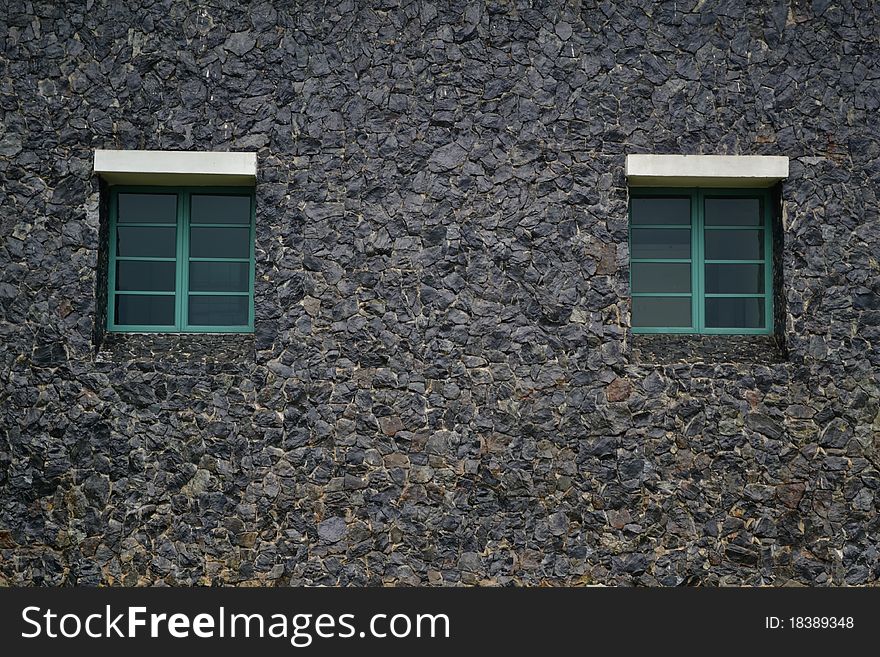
[661,277]
[661,210]
[218,310]
[146,208]
[220,209]
[662,311]
[144,309]
[732,312]
[661,243]
[219,242]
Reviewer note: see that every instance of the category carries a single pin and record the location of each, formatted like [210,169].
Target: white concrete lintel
[705,170]
[176,167]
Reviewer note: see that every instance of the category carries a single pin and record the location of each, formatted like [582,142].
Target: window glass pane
[661,277]
[219,242]
[144,276]
[146,241]
[216,209]
[218,310]
[661,211]
[733,212]
[219,276]
[662,311]
[734,279]
[729,312]
[147,208]
[734,244]
[661,243]
[144,309]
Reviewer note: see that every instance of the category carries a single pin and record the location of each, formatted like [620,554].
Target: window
[701,261]
[181,259]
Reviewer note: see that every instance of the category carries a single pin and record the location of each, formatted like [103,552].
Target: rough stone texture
[662,349]
[442,387]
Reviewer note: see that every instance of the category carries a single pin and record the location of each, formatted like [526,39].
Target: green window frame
[648,299]
[184,295]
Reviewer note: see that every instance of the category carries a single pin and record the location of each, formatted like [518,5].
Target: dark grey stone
[837,434]
[240,43]
[331,530]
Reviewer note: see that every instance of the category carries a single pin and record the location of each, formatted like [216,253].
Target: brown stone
[396,460]
[606,263]
[390,425]
[618,519]
[6,540]
[790,494]
[618,390]
[64,308]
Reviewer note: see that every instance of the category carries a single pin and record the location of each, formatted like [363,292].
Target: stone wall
[442,387]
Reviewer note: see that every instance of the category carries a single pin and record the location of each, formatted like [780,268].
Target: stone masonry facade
[442,387]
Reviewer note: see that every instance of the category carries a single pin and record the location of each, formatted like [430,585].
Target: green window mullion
[629,241]
[768,267]
[146,224]
[662,226]
[672,260]
[111,274]
[143,259]
[664,294]
[697,308]
[734,262]
[203,225]
[734,228]
[182,238]
[252,282]
[227,260]
[183,262]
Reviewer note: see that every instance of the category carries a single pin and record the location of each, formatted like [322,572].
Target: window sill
[156,351]
[665,349]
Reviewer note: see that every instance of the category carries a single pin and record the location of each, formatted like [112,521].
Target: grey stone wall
[442,387]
